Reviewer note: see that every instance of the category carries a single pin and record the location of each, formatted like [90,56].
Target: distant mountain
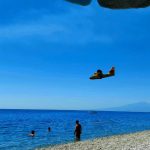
[136,107]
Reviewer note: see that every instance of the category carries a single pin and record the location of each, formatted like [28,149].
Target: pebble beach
[133,141]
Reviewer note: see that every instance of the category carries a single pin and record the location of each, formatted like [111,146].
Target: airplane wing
[93,77]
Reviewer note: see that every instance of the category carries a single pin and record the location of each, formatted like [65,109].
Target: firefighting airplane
[99,74]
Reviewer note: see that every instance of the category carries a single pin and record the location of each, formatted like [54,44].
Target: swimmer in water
[32,133]
[49,129]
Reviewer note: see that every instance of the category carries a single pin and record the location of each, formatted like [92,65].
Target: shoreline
[133,141]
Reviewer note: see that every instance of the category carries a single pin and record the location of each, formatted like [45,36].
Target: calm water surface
[15,125]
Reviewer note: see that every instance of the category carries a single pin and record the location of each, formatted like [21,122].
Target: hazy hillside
[136,107]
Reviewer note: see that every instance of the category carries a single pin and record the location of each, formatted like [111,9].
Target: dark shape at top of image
[80,2]
[115,4]
[124,4]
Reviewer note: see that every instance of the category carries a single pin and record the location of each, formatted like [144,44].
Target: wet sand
[134,141]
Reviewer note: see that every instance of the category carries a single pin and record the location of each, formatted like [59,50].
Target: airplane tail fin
[112,71]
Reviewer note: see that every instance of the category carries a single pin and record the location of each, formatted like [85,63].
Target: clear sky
[49,49]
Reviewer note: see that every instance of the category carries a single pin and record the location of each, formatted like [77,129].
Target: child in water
[32,133]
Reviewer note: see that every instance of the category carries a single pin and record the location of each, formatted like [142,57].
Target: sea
[16,125]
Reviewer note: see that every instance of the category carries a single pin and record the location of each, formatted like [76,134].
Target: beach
[133,141]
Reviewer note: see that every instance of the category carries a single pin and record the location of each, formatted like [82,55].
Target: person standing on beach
[77,130]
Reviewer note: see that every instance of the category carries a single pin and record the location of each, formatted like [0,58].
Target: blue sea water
[15,125]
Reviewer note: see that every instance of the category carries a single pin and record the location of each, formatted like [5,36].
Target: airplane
[99,74]
[115,4]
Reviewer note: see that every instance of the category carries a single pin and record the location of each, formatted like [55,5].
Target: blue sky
[48,50]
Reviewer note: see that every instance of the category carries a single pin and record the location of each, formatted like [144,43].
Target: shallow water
[15,125]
